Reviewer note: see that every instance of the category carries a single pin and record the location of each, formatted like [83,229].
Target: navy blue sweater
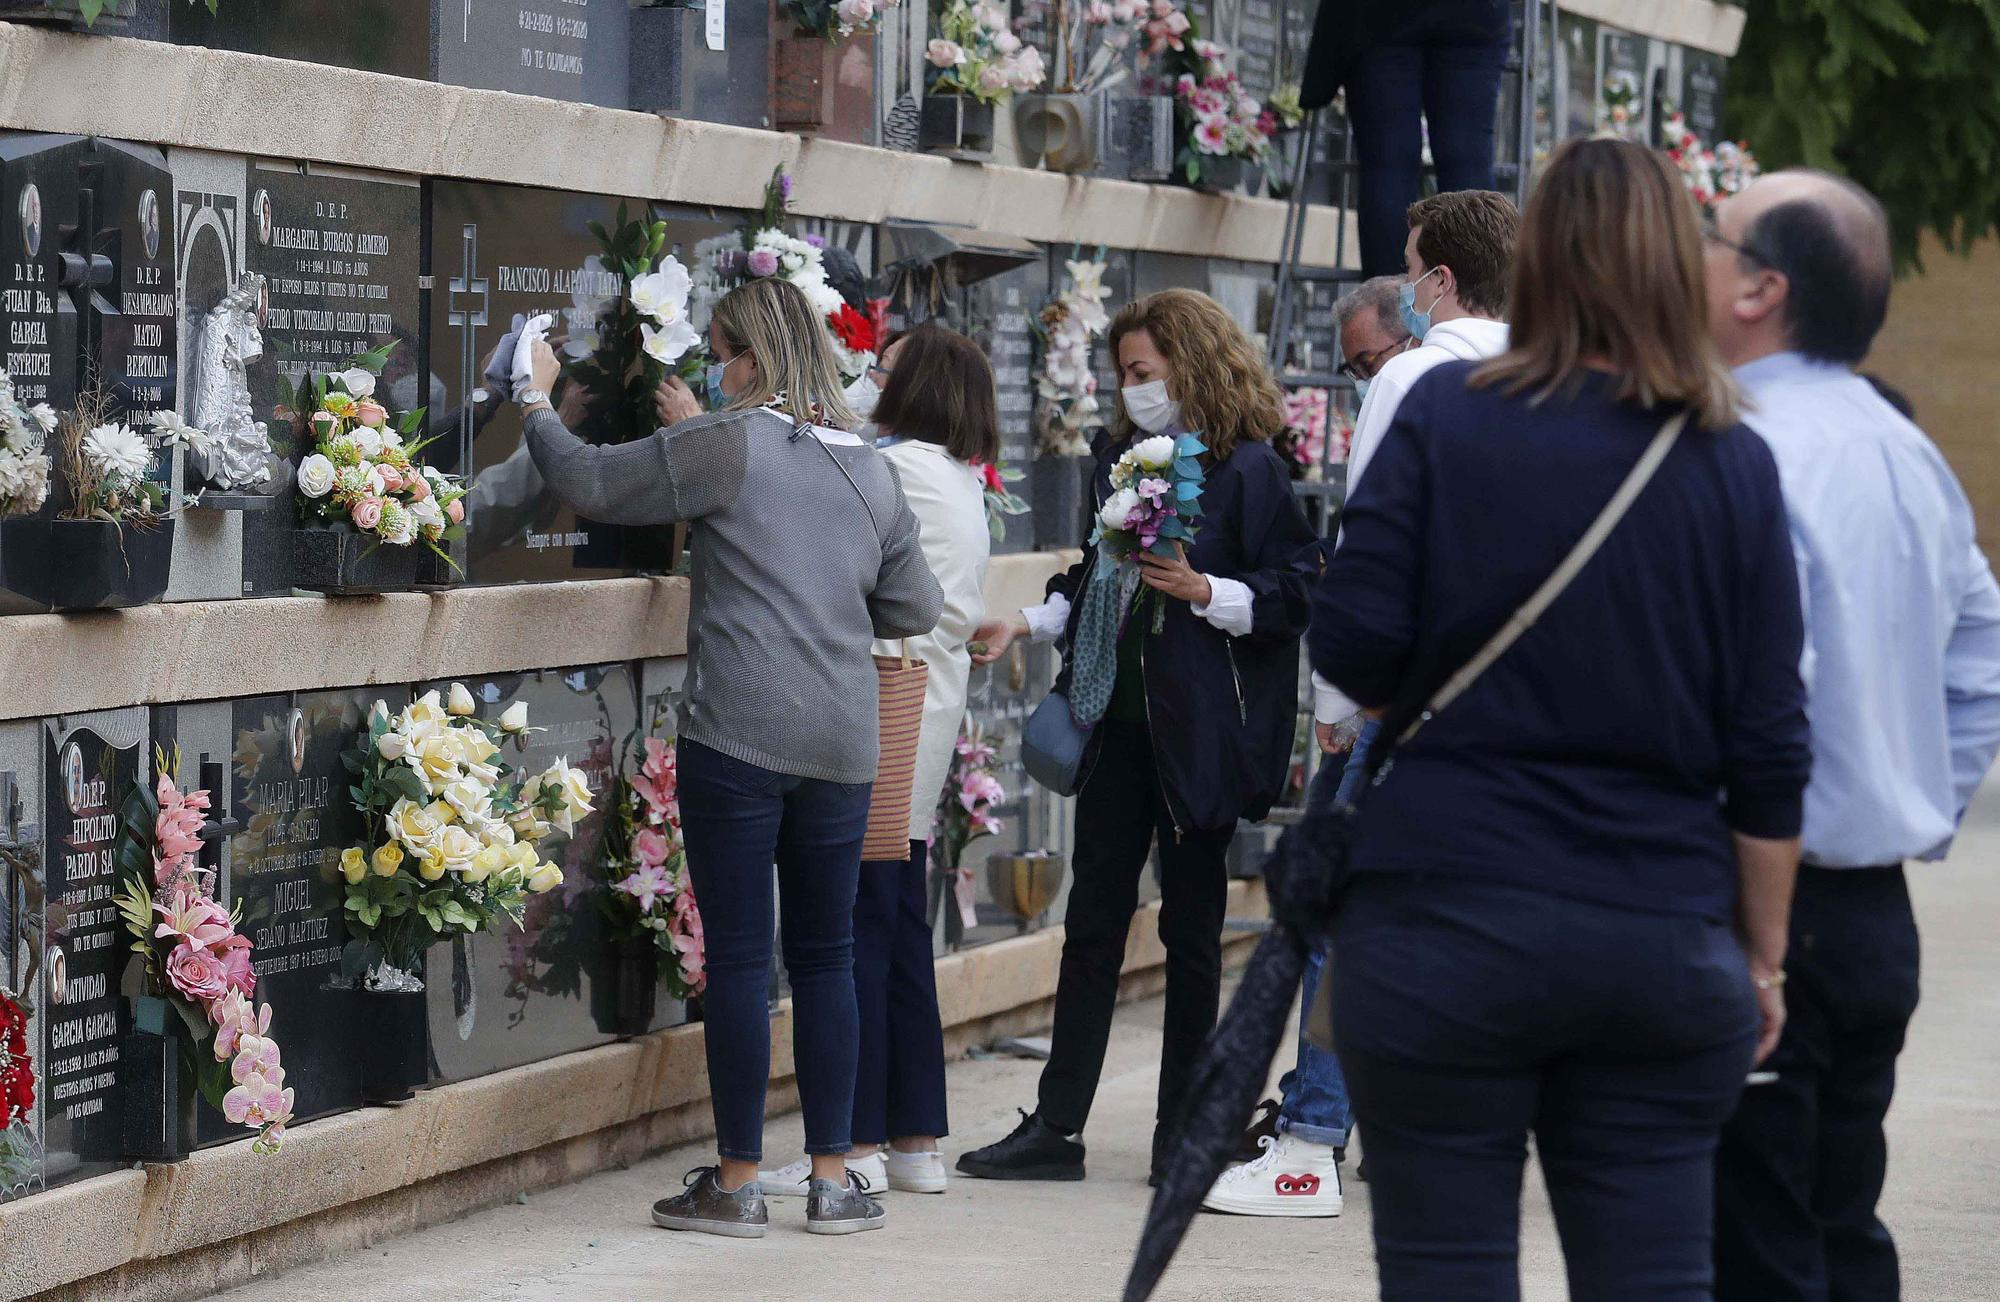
[1656,706]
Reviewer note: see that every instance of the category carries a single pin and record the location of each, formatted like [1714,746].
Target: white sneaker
[916,1172]
[793,1179]
[1294,1177]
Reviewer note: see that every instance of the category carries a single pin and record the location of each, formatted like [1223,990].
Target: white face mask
[862,395]
[1149,406]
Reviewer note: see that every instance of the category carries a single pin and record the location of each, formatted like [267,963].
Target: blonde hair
[1226,392]
[1608,270]
[773,319]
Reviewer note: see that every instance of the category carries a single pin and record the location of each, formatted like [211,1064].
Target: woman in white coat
[938,424]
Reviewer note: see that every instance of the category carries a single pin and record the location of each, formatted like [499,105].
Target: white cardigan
[950,504]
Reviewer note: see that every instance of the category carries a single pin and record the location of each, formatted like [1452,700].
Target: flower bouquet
[1154,505]
[362,483]
[835,19]
[1066,381]
[24,457]
[20,1151]
[976,62]
[1710,175]
[196,976]
[648,899]
[765,248]
[1223,126]
[964,814]
[639,338]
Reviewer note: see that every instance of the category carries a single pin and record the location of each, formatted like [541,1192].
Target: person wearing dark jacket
[1567,908]
[1203,703]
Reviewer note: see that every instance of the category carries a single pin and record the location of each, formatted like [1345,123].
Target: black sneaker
[1035,1151]
[838,1209]
[1263,1126]
[708,1208]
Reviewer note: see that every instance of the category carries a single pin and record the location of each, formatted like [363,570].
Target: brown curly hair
[1226,392]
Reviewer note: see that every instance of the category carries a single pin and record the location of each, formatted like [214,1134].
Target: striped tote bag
[903,682]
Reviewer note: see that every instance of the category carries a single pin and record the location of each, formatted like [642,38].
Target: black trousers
[1802,1161]
[1119,814]
[899,1083]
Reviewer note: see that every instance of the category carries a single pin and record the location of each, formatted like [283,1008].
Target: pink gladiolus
[196,973]
[367,513]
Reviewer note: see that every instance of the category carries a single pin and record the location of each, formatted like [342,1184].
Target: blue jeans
[1443,71]
[1315,1093]
[737,820]
[1472,1014]
[899,1084]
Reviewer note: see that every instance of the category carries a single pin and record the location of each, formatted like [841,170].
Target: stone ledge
[1702,24]
[197,98]
[564,1118]
[203,650]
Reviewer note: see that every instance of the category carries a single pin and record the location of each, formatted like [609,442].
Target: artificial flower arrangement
[635,340]
[1154,504]
[1710,175]
[1219,119]
[965,813]
[452,831]
[1286,105]
[765,248]
[1066,381]
[363,473]
[977,54]
[1000,500]
[835,19]
[1619,105]
[1309,420]
[192,957]
[18,1148]
[648,894]
[109,465]
[24,457]
[1093,39]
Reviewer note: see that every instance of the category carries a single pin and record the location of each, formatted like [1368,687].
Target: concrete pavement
[1016,1243]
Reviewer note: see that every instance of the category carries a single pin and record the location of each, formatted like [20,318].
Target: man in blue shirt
[1902,673]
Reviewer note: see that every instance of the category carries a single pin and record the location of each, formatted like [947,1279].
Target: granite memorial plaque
[1257,46]
[513,995]
[332,258]
[22,1170]
[559,49]
[87,251]
[708,60]
[499,253]
[1700,99]
[89,765]
[999,316]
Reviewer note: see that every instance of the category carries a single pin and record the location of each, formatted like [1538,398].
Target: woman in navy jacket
[1203,710]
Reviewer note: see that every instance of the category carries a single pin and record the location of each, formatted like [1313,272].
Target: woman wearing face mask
[1199,729]
[804,550]
[938,418]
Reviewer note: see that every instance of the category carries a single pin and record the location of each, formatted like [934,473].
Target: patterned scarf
[1107,597]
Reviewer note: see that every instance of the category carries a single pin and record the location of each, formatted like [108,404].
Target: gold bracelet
[1771,982]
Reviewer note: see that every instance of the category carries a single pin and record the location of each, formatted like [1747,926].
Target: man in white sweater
[1459,256]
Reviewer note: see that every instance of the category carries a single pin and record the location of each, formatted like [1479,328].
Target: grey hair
[1382,295]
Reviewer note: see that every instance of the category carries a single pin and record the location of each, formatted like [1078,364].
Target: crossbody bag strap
[1552,587]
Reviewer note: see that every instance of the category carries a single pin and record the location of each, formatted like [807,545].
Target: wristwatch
[531,397]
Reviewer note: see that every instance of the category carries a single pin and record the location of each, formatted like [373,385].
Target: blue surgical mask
[713,381]
[1417,323]
[1361,390]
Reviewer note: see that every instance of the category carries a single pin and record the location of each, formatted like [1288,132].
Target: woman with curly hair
[1202,711]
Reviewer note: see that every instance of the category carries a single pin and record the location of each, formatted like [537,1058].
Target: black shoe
[1263,1126]
[1035,1151]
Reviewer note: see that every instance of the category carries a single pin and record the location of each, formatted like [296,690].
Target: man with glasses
[1902,672]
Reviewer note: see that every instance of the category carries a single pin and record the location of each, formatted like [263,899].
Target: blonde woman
[1198,710]
[804,551]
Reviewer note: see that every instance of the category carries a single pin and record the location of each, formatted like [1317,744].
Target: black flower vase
[625,996]
[394,1031]
[157,1085]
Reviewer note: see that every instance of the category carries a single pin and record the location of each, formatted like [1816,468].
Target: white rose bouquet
[362,472]
[453,829]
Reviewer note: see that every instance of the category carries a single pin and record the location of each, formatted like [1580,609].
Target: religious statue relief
[229,342]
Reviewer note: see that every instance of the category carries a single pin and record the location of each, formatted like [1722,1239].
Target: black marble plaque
[1700,99]
[1257,46]
[84,945]
[339,253]
[999,312]
[512,995]
[499,253]
[22,901]
[559,49]
[86,256]
[677,69]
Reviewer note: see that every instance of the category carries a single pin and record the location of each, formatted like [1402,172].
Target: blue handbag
[1053,746]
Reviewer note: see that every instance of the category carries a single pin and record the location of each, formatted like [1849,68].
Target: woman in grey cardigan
[803,552]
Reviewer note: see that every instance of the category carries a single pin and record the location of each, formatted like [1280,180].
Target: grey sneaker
[832,1209]
[708,1208]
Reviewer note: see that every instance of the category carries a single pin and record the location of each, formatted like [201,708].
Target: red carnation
[855,331]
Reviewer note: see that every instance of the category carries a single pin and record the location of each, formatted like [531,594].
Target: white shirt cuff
[1330,704]
[1228,605]
[1047,621]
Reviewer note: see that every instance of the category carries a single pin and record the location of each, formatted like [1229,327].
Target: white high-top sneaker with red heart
[1294,1177]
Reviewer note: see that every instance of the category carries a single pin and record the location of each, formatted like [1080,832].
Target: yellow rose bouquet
[452,827]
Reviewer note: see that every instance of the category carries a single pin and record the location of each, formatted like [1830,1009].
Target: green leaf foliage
[1900,95]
